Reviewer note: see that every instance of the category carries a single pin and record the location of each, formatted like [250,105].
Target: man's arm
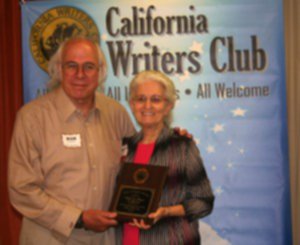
[27,185]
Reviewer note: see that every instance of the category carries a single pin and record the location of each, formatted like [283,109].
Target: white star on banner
[218,128]
[104,37]
[219,190]
[196,46]
[210,149]
[242,151]
[197,141]
[238,112]
[185,76]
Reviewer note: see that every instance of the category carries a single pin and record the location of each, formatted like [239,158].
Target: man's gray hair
[55,63]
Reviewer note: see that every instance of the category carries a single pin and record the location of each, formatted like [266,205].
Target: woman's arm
[199,197]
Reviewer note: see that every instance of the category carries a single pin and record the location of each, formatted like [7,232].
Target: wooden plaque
[138,191]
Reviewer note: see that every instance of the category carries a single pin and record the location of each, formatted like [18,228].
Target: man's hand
[182,132]
[98,220]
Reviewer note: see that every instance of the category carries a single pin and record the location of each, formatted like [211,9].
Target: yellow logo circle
[141,175]
[56,25]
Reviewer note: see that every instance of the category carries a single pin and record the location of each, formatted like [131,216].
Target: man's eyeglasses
[88,68]
[154,99]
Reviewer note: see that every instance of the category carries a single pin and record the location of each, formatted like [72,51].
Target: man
[65,153]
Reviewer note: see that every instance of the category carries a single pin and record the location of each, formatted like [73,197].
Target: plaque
[138,191]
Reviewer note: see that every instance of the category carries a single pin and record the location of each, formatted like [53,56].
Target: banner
[226,59]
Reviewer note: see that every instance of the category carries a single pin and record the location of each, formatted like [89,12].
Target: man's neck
[84,106]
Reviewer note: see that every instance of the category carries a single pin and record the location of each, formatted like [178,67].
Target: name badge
[71,140]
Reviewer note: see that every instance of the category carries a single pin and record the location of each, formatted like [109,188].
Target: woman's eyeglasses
[154,99]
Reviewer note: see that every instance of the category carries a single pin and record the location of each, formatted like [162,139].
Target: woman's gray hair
[55,63]
[157,76]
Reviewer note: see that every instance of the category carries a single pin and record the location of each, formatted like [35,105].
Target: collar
[65,106]
[99,103]
[164,135]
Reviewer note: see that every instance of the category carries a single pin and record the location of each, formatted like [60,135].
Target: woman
[187,194]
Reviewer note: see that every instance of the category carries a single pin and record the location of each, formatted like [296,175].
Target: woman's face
[149,104]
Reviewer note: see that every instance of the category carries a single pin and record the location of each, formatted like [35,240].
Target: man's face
[80,71]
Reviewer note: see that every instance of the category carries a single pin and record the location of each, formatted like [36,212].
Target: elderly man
[65,153]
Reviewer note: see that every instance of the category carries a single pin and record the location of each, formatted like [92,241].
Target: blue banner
[227,62]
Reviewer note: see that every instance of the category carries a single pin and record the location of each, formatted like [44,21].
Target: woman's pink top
[142,156]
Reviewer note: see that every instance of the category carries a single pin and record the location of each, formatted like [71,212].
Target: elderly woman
[187,194]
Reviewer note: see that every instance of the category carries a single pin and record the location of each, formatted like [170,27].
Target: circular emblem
[56,25]
[141,175]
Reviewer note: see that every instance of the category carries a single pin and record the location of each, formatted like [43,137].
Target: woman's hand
[156,216]
[160,213]
[140,224]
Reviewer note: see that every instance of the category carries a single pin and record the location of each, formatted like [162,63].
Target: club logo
[56,25]
[141,175]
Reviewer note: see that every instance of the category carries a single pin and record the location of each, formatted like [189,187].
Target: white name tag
[71,140]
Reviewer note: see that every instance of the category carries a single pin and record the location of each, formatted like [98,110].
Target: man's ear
[183,132]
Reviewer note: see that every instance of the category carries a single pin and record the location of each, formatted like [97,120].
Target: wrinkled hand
[156,216]
[98,220]
[140,224]
[159,214]
[182,132]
